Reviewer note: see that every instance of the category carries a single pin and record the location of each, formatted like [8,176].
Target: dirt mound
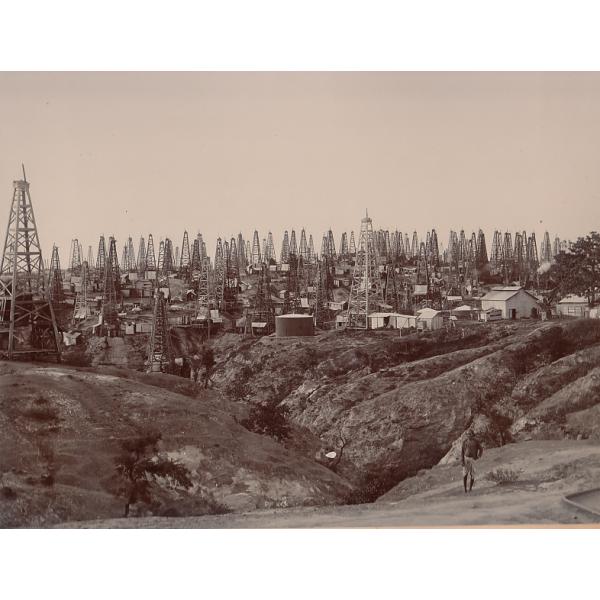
[62,428]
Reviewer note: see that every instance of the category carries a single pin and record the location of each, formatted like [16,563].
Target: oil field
[326,379]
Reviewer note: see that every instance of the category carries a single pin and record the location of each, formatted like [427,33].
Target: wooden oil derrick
[248,253]
[176,258]
[90,260]
[256,254]
[344,246]
[151,265]
[321,311]
[546,249]
[311,249]
[293,243]
[75,258]
[556,247]
[533,262]
[185,260]
[285,249]
[331,245]
[241,250]
[204,300]
[124,258]
[414,248]
[392,289]
[269,253]
[169,259]
[365,292]
[141,258]
[303,248]
[101,257]
[496,253]
[263,310]
[131,266]
[55,279]
[481,260]
[219,275]
[160,354]
[231,286]
[195,264]
[160,265]
[26,311]
[291,301]
[407,247]
[434,251]
[352,245]
[81,309]
[111,292]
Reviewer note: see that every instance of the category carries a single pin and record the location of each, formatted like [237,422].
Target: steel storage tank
[294,325]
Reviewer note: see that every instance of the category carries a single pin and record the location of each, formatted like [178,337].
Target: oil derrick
[75,258]
[124,257]
[496,254]
[285,249]
[100,261]
[407,246]
[55,280]
[204,299]
[365,292]
[344,246]
[520,259]
[141,258]
[111,292]
[90,258]
[131,266]
[482,255]
[293,243]
[291,302]
[303,248]
[352,245]
[232,276]
[269,253]
[263,311]
[150,256]
[160,355]
[311,249]
[248,252]
[556,247]
[160,266]
[546,249]
[414,247]
[256,255]
[176,258]
[434,250]
[331,245]
[195,262]
[81,310]
[471,269]
[241,249]
[324,250]
[169,264]
[323,294]
[392,291]
[219,275]
[185,260]
[533,263]
[25,308]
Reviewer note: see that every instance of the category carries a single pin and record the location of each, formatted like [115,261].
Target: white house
[514,302]
[429,319]
[573,306]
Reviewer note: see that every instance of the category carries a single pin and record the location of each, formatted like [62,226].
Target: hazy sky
[128,154]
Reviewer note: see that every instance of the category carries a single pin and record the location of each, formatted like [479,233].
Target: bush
[8,493]
[42,413]
[268,420]
[503,475]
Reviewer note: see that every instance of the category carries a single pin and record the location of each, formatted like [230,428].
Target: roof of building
[427,313]
[505,293]
[573,299]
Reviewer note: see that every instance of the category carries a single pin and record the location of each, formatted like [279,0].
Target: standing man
[471,451]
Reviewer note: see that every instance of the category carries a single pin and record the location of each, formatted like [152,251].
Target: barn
[514,301]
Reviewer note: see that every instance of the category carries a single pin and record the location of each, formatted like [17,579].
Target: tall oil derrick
[25,308]
[320,310]
[124,258]
[248,252]
[331,245]
[270,250]
[100,261]
[160,265]
[293,243]
[150,255]
[232,276]
[434,250]
[185,260]
[496,253]
[195,263]
[533,262]
[365,292]
[219,275]
[285,248]
[141,258]
[256,255]
[352,244]
[176,258]
[75,258]
[160,354]
[111,291]
[263,310]
[482,255]
[291,302]
[303,248]
[471,270]
[324,250]
[407,246]
[241,250]
[520,259]
[90,259]
[204,289]
[81,310]
[55,280]
[344,246]
[311,249]
[169,266]
[131,261]
[546,249]
[414,247]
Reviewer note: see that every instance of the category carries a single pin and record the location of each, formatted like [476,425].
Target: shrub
[268,420]
[501,475]
[8,493]
[42,413]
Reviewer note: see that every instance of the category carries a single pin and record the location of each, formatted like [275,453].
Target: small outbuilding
[430,319]
[514,302]
[573,306]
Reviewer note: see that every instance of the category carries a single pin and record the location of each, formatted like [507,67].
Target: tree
[140,465]
[578,272]
[268,420]
[208,362]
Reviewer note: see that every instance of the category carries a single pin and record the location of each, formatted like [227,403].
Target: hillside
[62,428]
[546,471]
[402,404]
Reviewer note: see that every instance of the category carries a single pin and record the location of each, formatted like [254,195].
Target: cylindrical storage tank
[294,325]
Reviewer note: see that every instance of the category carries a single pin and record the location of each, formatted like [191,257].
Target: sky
[136,153]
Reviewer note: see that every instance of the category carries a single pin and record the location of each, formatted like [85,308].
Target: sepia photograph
[300,299]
